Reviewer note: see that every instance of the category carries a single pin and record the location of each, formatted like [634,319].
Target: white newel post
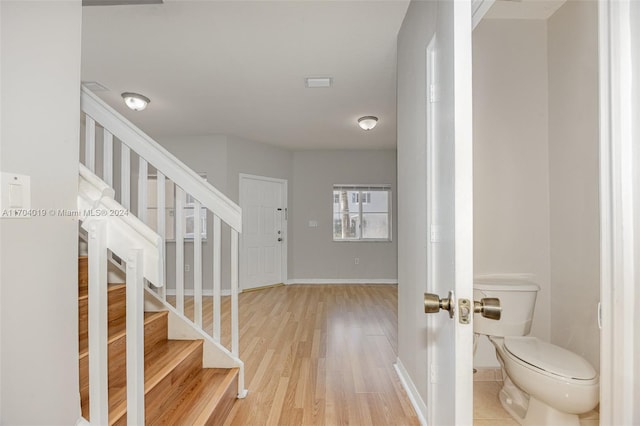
[98,335]
[135,338]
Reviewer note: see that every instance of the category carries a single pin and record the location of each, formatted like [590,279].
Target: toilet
[544,384]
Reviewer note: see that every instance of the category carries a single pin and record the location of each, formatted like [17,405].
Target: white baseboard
[341,281]
[412,392]
[189,292]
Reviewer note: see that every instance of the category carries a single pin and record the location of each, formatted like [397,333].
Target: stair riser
[170,386]
[155,331]
[222,410]
[117,311]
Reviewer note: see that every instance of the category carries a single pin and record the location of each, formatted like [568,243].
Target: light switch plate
[313,224]
[15,196]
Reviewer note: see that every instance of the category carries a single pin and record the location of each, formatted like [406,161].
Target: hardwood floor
[319,355]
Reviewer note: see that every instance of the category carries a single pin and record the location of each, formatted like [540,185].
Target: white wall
[511,164]
[315,254]
[574,178]
[417,29]
[40,86]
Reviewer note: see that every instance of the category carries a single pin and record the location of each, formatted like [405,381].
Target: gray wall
[574,178]
[417,29]
[316,255]
[204,154]
[312,254]
[511,160]
[40,85]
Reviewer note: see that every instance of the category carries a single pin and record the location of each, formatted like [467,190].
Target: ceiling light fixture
[135,101]
[367,122]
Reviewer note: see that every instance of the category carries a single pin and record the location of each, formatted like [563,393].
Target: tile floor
[487,410]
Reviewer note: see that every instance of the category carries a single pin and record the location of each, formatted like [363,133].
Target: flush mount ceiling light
[135,101]
[367,122]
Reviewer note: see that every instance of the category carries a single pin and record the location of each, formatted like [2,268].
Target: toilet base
[513,400]
[528,411]
[540,413]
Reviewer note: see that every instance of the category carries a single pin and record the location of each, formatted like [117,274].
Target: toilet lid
[550,358]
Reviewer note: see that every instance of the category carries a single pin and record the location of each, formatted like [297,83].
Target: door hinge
[433,373]
[432,93]
[434,234]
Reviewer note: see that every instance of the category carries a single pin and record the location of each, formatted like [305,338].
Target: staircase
[178,390]
[142,360]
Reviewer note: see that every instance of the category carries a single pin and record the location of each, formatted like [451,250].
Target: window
[361,213]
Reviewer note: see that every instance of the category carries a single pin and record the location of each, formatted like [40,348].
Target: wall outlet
[356,261]
[187,268]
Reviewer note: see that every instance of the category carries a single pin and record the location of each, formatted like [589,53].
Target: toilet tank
[517,298]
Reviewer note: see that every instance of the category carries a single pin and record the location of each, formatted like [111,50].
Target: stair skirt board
[189,378]
[181,328]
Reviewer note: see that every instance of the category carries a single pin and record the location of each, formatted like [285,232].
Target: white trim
[161,159]
[189,292]
[342,281]
[412,392]
[479,9]
[82,422]
[618,262]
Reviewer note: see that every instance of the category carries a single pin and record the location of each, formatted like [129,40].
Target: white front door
[450,215]
[263,242]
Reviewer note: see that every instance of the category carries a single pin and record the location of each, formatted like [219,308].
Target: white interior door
[450,214]
[263,242]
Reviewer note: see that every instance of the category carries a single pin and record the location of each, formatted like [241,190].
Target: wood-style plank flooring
[318,355]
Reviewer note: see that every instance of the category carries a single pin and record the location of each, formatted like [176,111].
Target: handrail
[131,239]
[110,227]
[95,200]
[162,160]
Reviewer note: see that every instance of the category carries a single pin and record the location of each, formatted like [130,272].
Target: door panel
[450,213]
[261,252]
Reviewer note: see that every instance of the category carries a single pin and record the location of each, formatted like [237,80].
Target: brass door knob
[488,307]
[433,304]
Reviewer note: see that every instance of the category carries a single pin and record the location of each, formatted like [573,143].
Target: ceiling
[238,68]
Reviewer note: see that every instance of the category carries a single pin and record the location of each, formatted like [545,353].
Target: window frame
[361,189]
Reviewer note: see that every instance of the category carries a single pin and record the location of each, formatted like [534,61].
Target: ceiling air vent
[318,82]
[118,2]
[94,86]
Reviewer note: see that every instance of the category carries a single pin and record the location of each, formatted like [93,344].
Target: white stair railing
[109,229]
[131,162]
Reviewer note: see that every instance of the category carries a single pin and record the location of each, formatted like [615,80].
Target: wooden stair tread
[200,397]
[178,391]
[157,364]
[83,292]
[116,294]
[118,329]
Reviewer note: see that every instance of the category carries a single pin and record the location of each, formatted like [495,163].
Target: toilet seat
[549,358]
